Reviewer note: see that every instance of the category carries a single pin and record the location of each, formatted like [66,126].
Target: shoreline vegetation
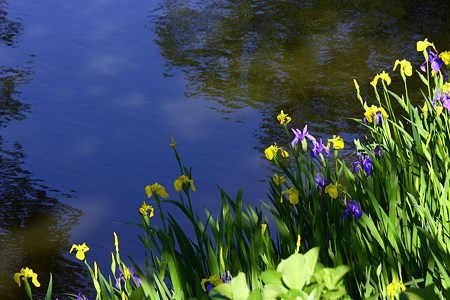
[377,228]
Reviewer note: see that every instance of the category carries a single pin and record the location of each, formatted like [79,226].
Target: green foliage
[378,229]
[297,277]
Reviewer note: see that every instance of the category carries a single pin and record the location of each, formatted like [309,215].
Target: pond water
[92,90]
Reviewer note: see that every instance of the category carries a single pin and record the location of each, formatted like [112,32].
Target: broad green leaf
[272,291]
[293,271]
[240,288]
[271,276]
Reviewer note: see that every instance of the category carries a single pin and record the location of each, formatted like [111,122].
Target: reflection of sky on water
[109,89]
[102,116]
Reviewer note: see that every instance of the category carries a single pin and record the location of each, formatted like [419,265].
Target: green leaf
[272,291]
[292,270]
[222,291]
[297,269]
[48,295]
[137,294]
[255,295]
[240,287]
[271,277]
[426,293]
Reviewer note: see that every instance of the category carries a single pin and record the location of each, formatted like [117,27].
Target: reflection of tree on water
[296,55]
[34,226]
[8,29]
[10,107]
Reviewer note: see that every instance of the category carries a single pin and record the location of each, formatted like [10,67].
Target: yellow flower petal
[423,45]
[148,191]
[156,188]
[177,184]
[375,81]
[24,274]
[35,281]
[283,118]
[338,142]
[263,228]
[279,180]
[356,85]
[298,242]
[405,67]
[270,152]
[332,190]
[192,186]
[116,242]
[146,208]
[385,76]
[445,56]
[293,196]
[173,144]
[81,249]
[17,278]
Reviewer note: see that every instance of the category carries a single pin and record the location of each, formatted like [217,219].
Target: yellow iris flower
[81,249]
[272,151]
[283,118]
[145,208]
[263,228]
[332,190]
[157,189]
[445,56]
[213,279]
[24,274]
[338,142]
[393,287]
[383,76]
[293,195]
[279,180]
[372,111]
[405,67]
[178,183]
[423,45]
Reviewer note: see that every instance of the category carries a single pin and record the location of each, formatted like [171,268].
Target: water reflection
[8,29]
[34,226]
[300,56]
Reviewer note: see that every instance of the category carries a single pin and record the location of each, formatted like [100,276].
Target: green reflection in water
[34,226]
[300,56]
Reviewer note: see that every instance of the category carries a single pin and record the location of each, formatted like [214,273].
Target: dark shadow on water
[35,230]
[35,226]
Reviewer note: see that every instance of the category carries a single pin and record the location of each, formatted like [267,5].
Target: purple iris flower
[80,297]
[366,163]
[322,182]
[435,62]
[226,277]
[318,147]
[378,152]
[444,99]
[378,117]
[354,209]
[299,135]
[121,277]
